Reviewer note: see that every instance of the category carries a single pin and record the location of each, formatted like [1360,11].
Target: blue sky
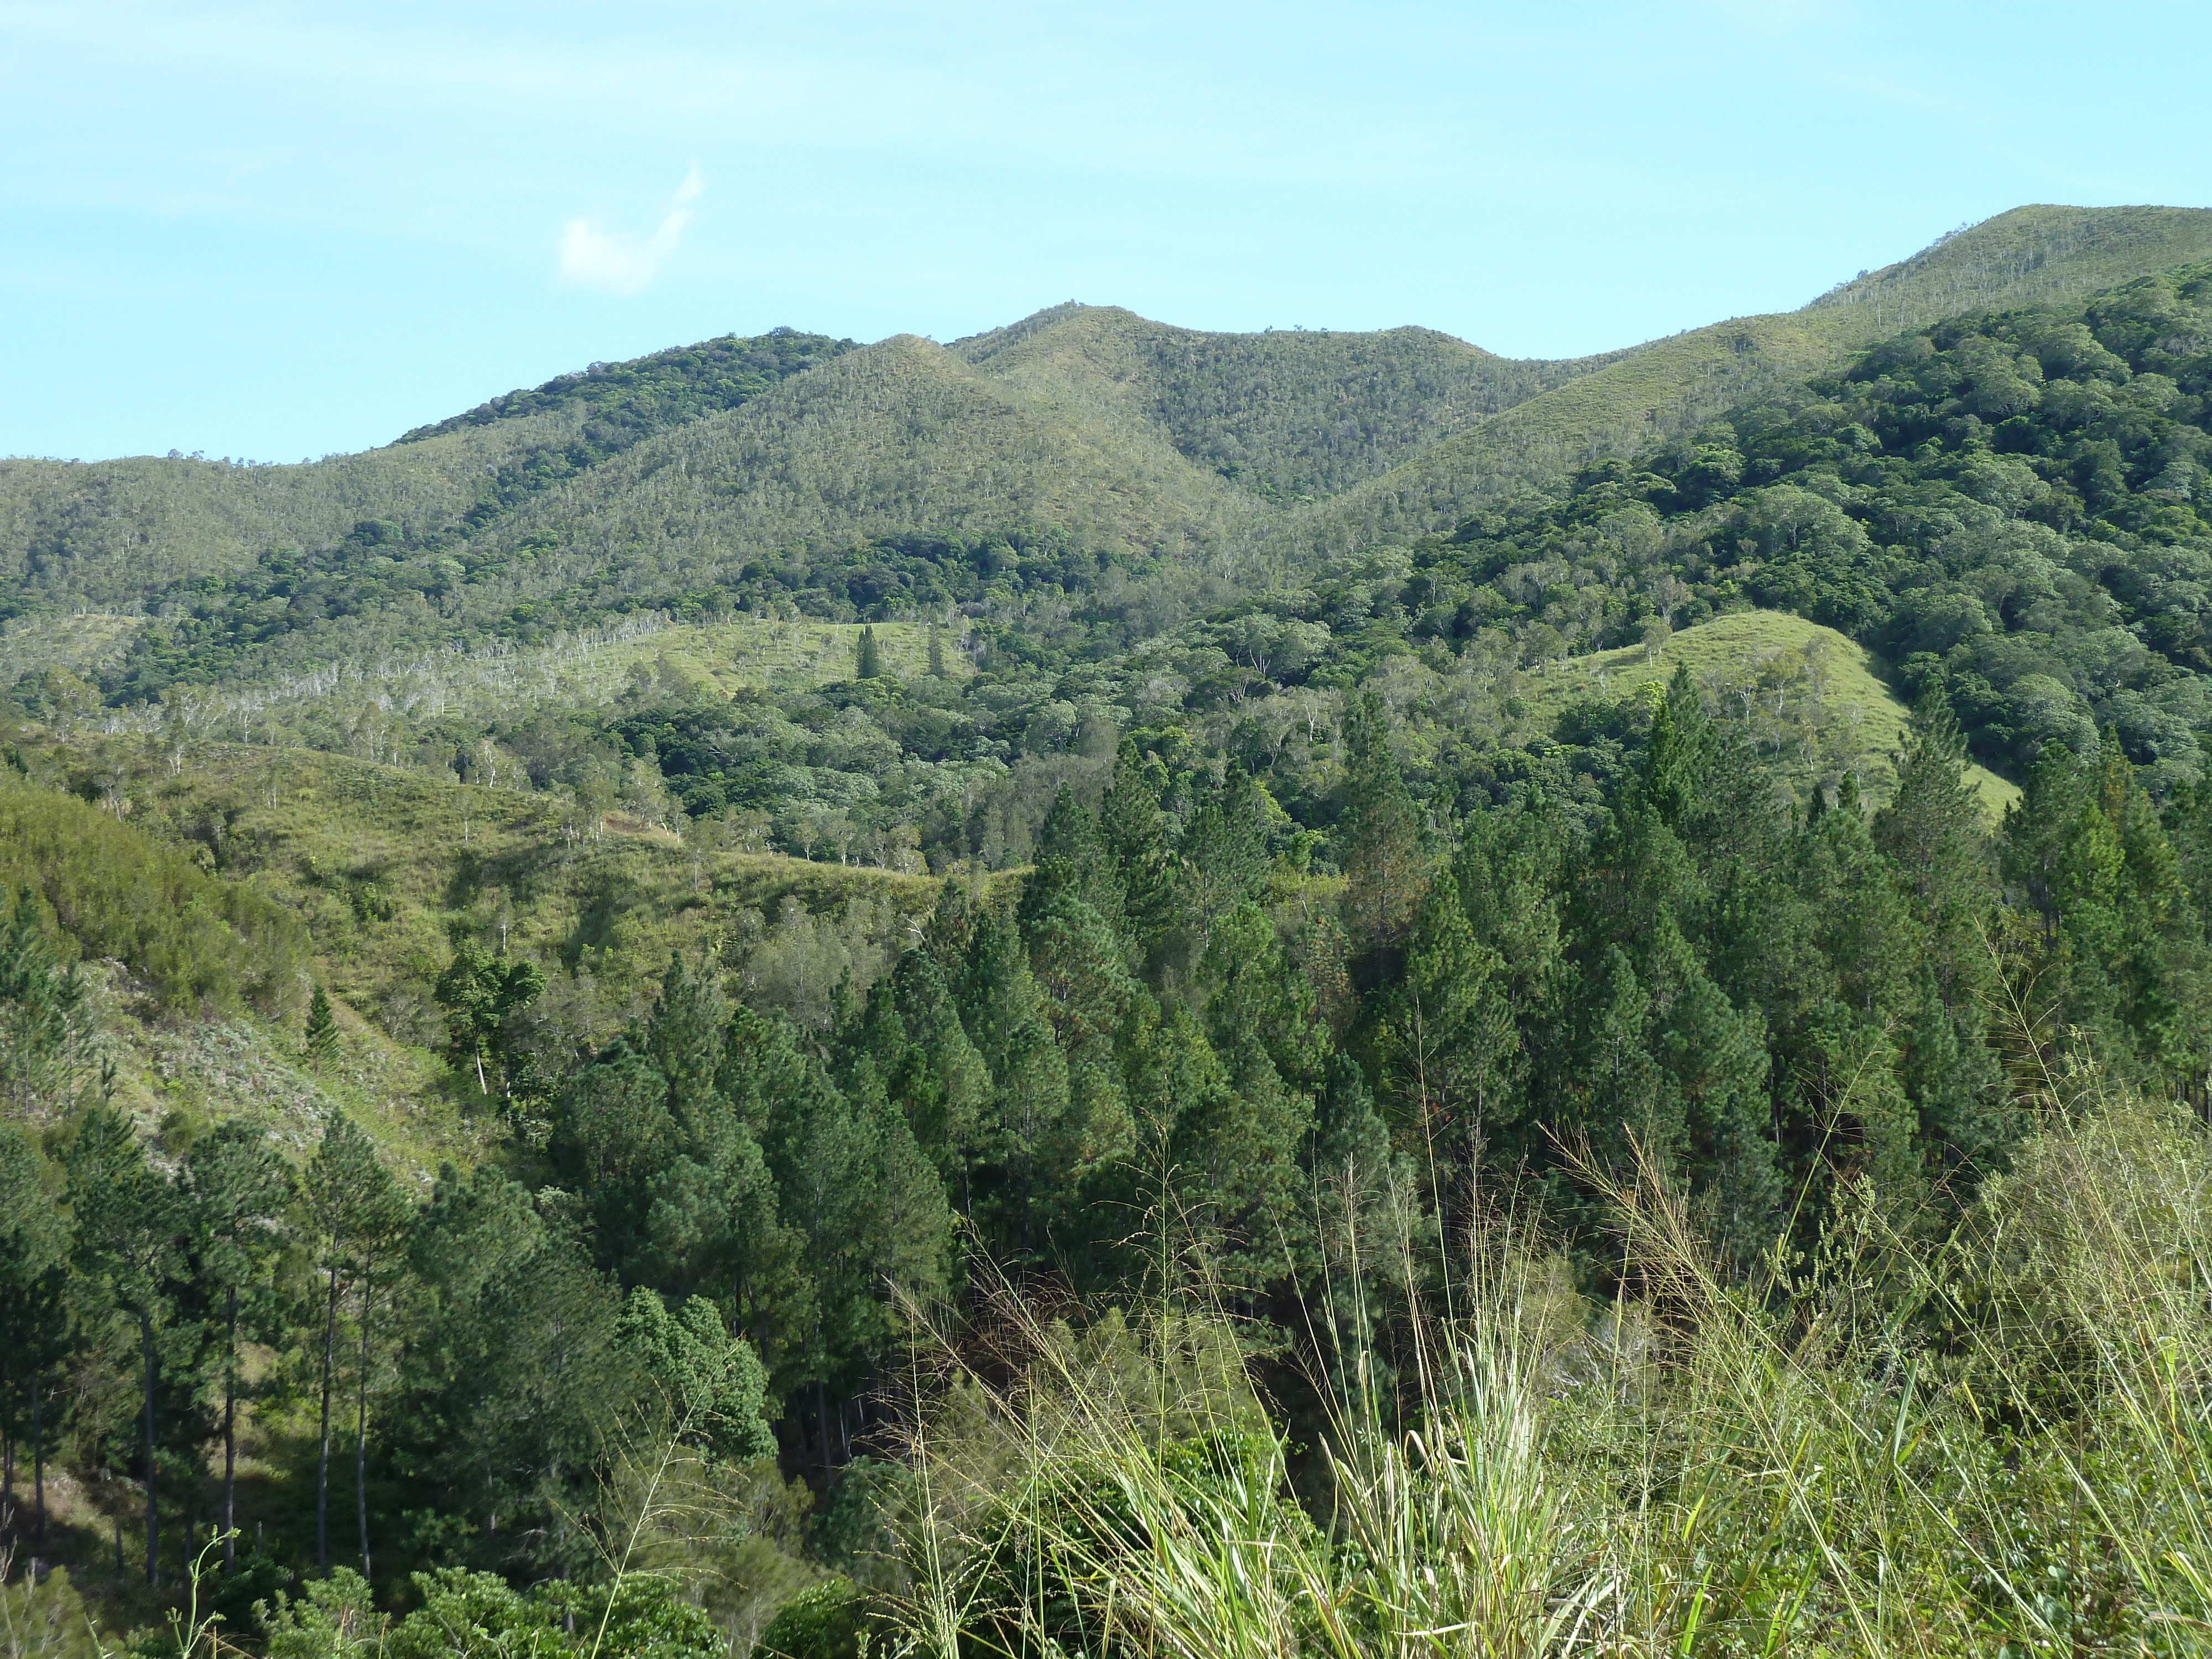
[273,231]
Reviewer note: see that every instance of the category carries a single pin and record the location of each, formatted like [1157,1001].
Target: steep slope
[2031,255]
[903,436]
[106,533]
[1284,414]
[116,532]
[1804,690]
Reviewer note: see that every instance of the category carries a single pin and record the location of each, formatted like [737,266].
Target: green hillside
[636,485]
[1111,990]
[1807,696]
[2031,256]
[1287,414]
[126,530]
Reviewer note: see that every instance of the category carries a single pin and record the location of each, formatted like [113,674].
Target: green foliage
[481,992]
[475,1613]
[321,1034]
[46,1620]
[1931,502]
[44,1027]
[823,1621]
[715,1388]
[1280,937]
[199,941]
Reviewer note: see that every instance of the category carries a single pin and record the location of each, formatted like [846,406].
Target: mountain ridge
[1252,455]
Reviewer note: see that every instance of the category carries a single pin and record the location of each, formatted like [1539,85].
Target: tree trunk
[37,1454]
[322,1460]
[230,1440]
[822,1419]
[153,1505]
[361,1433]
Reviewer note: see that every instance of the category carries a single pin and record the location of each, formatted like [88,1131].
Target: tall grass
[1997,1442]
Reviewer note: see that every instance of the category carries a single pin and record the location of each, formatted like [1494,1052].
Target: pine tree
[322,1032]
[45,1028]
[1451,1048]
[1384,853]
[936,650]
[1224,851]
[1003,1013]
[353,1212]
[714,1385]
[1133,833]
[237,1188]
[130,1244]
[35,1330]
[868,660]
[1069,860]
[941,1082]
[1933,835]
[1678,753]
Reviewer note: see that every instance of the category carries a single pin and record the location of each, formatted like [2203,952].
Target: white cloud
[620,261]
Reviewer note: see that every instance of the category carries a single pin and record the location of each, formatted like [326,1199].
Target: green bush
[822,1622]
[199,941]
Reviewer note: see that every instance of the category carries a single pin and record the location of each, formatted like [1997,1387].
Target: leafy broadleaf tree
[479,990]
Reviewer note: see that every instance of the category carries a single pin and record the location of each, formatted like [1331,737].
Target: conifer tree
[1001,1010]
[1133,831]
[712,1384]
[130,1242]
[34,1316]
[238,1188]
[940,1082]
[353,1212]
[868,657]
[322,1030]
[1384,853]
[1224,851]
[1451,1048]
[1933,834]
[44,1026]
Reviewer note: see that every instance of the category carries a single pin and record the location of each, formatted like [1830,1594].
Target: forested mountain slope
[1287,414]
[1268,451]
[752,1032]
[116,534]
[2033,255]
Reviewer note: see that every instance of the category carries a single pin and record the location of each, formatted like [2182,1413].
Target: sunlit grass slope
[1808,693]
[385,862]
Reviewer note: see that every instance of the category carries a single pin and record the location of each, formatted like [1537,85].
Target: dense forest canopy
[856,1087]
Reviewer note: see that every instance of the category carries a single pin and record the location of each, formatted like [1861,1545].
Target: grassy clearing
[386,863]
[1798,686]
[1998,1442]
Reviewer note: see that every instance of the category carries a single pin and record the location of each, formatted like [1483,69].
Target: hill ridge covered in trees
[817,1026]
